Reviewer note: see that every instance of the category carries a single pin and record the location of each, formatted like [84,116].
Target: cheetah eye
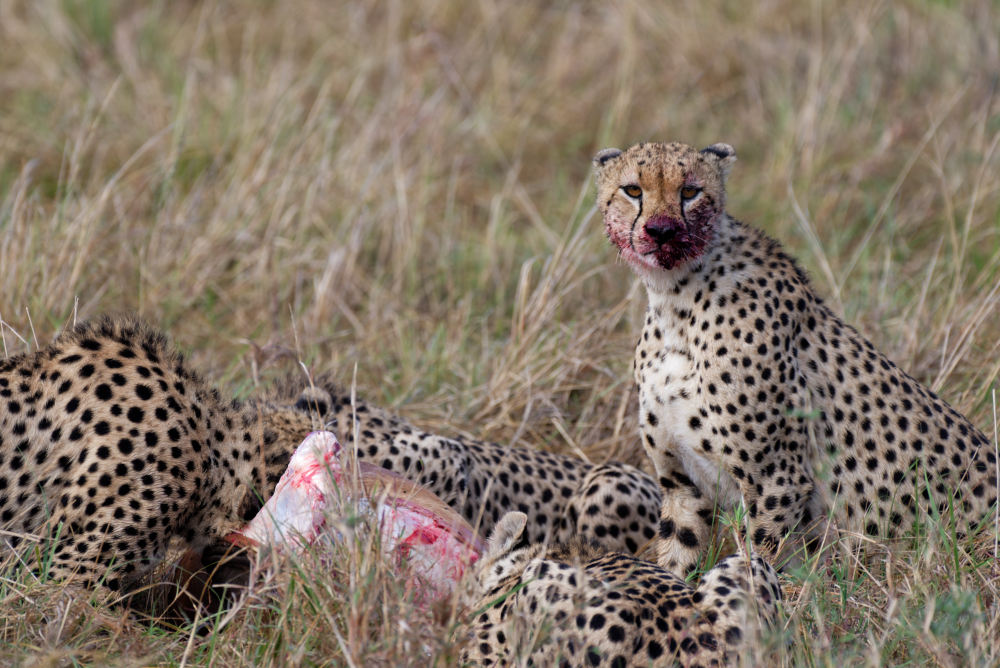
[632,191]
[689,192]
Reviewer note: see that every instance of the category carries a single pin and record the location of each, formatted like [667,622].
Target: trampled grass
[398,192]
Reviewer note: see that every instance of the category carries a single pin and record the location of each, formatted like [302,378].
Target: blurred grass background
[401,189]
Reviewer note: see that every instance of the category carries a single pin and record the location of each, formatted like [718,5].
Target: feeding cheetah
[576,606]
[613,504]
[110,446]
[109,441]
[751,389]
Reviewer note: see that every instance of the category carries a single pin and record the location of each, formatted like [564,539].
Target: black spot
[760,537]
[687,538]
[90,344]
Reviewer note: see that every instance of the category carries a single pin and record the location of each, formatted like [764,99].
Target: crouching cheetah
[613,504]
[576,606]
[752,389]
[110,447]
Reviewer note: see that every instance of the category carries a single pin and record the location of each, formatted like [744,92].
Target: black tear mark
[631,236]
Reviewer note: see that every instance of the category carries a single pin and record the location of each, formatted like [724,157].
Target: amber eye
[688,192]
[632,190]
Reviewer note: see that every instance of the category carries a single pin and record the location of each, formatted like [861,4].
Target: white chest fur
[666,371]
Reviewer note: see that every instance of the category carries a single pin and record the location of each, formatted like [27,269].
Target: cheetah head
[661,202]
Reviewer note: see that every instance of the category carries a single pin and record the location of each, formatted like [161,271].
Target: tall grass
[399,191]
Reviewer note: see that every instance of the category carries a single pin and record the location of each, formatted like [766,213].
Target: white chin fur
[640,263]
[652,274]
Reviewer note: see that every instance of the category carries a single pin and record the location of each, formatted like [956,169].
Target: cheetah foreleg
[615,504]
[687,515]
[779,499]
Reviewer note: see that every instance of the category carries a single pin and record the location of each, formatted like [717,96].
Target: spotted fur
[110,447]
[753,390]
[574,605]
[613,504]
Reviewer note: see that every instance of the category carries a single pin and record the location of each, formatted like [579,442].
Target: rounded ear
[507,532]
[604,155]
[314,400]
[250,506]
[725,153]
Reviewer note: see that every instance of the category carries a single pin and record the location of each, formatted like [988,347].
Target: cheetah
[573,605]
[110,447]
[613,504]
[752,390]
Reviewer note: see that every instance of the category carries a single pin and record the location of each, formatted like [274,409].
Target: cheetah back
[614,504]
[110,444]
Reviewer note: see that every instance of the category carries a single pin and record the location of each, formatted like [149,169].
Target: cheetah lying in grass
[574,605]
[752,390]
[613,504]
[109,441]
[554,586]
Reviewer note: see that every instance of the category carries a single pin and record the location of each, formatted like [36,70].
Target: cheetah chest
[668,405]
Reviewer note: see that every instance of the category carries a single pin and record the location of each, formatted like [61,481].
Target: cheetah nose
[661,231]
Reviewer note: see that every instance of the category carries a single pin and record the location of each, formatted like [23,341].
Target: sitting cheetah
[111,446]
[752,389]
[576,606]
[614,504]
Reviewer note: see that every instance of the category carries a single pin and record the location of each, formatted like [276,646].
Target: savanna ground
[399,192]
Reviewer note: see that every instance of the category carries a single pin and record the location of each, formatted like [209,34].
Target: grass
[398,192]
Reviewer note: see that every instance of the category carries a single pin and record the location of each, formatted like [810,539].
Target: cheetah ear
[725,154]
[250,505]
[507,532]
[242,501]
[314,400]
[604,155]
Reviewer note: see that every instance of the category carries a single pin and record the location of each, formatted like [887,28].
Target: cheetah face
[661,201]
